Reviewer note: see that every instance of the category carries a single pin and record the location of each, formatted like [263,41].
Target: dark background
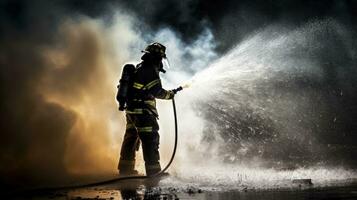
[229,20]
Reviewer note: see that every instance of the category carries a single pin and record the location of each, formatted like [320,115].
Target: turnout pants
[140,128]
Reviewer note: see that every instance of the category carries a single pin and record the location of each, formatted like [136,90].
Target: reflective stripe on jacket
[146,87]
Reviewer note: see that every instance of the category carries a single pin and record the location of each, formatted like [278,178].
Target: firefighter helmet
[156,49]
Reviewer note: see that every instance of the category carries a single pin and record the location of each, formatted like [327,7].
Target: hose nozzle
[187,85]
[177,89]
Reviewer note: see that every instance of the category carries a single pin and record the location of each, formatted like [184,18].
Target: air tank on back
[124,85]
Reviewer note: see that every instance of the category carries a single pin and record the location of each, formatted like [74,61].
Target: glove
[171,94]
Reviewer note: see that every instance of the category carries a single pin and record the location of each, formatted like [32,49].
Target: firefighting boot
[152,169]
[126,168]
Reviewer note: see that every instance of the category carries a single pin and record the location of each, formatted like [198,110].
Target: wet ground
[300,189]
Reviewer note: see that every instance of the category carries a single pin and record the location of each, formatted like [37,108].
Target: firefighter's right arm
[155,88]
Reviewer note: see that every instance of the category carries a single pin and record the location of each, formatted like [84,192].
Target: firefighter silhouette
[139,86]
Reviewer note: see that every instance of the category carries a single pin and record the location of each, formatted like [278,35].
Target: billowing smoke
[58,85]
[60,117]
[56,96]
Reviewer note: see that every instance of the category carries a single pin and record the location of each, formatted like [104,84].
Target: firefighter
[141,114]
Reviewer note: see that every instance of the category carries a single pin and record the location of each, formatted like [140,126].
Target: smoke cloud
[51,122]
[60,117]
[58,82]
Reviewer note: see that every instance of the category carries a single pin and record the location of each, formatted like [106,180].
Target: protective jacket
[146,87]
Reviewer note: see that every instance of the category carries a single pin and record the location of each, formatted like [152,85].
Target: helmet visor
[165,63]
